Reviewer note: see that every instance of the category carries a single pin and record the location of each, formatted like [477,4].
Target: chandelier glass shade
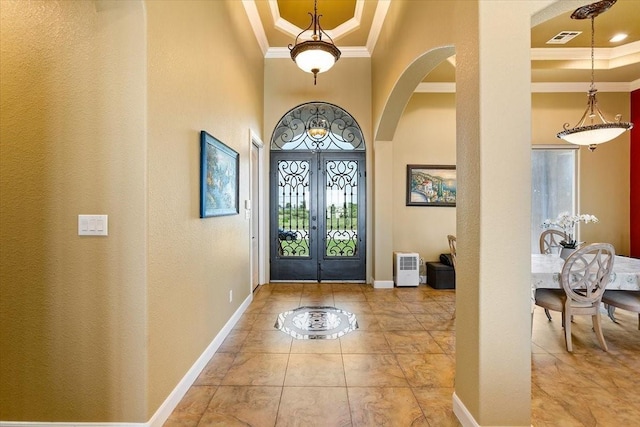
[317,127]
[593,128]
[315,55]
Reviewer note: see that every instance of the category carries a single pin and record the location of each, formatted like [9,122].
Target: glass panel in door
[317,235]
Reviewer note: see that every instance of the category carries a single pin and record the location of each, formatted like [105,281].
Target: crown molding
[351,25]
[572,54]
[345,52]
[541,87]
[572,87]
[376,25]
[256,24]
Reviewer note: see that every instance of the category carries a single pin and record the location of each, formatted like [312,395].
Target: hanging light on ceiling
[589,131]
[317,126]
[315,55]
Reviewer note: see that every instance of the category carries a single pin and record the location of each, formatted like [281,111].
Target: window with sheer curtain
[553,186]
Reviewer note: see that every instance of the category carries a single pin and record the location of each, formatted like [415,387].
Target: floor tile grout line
[554,352]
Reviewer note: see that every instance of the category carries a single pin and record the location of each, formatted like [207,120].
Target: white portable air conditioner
[406,269]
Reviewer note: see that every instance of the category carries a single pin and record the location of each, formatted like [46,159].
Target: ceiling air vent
[563,37]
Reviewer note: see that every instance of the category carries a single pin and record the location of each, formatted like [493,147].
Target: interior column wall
[383,214]
[493,354]
[634,179]
[493,344]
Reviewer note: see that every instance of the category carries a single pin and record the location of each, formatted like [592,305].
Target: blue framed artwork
[431,185]
[219,178]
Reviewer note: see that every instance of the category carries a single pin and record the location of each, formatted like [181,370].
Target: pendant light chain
[593,32]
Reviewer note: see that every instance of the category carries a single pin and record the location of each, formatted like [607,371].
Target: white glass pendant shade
[593,128]
[314,58]
[592,135]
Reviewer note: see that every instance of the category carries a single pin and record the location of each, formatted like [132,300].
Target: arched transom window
[317,126]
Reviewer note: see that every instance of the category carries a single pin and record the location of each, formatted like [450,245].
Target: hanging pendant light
[317,126]
[315,55]
[589,131]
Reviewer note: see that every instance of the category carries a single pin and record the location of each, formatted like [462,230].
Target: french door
[318,214]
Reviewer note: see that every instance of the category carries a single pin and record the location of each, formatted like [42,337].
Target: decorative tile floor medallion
[309,323]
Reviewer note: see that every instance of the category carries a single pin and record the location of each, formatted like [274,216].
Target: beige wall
[205,72]
[73,309]
[102,329]
[426,135]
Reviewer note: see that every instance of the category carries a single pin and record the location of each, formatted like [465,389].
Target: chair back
[452,248]
[549,239]
[586,273]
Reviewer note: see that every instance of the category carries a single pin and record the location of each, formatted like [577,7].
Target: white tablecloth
[545,272]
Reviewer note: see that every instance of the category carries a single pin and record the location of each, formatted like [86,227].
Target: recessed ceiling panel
[623,17]
[334,12]
[294,17]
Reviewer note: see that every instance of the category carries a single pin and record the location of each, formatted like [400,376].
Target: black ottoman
[440,276]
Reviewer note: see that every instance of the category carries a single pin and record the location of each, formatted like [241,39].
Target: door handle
[314,227]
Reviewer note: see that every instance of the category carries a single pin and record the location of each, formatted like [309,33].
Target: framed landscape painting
[431,185]
[219,178]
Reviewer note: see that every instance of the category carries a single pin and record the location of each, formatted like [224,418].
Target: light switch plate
[93,225]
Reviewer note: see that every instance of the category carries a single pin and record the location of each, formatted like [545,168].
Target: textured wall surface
[634,167]
[104,328]
[426,135]
[72,328]
[205,72]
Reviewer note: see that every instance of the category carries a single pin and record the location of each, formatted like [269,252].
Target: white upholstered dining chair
[584,276]
[550,239]
[625,300]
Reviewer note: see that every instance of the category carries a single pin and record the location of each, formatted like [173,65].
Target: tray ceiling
[354,26]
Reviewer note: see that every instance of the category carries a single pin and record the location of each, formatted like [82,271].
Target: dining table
[546,269]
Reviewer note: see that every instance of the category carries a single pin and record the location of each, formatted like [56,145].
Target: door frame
[255,210]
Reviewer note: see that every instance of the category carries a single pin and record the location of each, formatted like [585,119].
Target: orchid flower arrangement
[567,223]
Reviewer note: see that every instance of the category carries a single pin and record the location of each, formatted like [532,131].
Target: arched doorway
[317,196]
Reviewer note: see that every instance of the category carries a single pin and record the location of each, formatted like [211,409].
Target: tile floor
[398,368]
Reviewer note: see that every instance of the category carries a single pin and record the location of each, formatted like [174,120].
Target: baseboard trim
[174,398]
[383,284]
[66,424]
[462,413]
